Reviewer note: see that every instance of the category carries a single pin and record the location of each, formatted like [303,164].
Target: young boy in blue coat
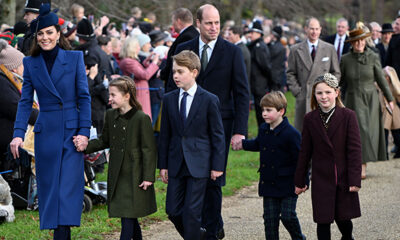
[278,143]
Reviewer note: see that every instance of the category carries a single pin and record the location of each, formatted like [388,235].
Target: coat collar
[127,115]
[216,56]
[336,120]
[278,128]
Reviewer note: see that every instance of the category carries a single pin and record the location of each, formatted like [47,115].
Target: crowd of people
[178,99]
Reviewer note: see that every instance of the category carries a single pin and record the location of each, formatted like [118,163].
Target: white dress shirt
[342,38]
[310,46]
[210,48]
[189,98]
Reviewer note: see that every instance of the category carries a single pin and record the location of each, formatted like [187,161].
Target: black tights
[345,227]
[130,229]
[62,233]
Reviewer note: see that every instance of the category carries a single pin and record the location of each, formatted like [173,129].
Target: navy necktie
[182,110]
[313,52]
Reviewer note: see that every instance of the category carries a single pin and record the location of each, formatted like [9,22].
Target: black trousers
[257,107]
[345,228]
[62,233]
[130,229]
[396,140]
[185,198]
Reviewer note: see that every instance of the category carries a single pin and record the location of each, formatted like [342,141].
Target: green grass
[241,171]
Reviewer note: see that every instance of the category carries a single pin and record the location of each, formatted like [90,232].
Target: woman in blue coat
[59,79]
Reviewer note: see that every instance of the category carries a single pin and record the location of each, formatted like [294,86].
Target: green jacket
[133,157]
[360,71]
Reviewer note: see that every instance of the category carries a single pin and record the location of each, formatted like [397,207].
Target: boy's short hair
[275,99]
[187,59]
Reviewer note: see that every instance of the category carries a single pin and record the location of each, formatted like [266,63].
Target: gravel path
[380,207]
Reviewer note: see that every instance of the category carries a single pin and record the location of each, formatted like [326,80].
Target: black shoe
[221,233]
[203,232]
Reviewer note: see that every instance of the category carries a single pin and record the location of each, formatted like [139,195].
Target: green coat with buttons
[133,157]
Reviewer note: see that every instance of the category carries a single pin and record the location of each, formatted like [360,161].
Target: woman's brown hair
[126,85]
[63,43]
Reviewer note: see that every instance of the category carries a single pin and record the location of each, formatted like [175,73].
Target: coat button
[115,126]
[272,183]
[113,137]
[273,150]
[61,105]
[264,148]
[272,167]
[123,128]
[262,182]
[263,165]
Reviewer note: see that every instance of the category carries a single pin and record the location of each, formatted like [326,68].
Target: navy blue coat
[200,143]
[64,103]
[279,149]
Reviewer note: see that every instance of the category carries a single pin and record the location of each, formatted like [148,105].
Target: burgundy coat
[338,147]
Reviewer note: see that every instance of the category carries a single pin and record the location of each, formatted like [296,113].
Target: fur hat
[143,39]
[255,26]
[45,19]
[9,56]
[85,30]
[34,5]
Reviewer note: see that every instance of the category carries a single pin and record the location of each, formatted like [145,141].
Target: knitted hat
[45,19]
[143,39]
[85,30]
[156,36]
[256,27]
[9,56]
[34,5]
[20,28]
[329,79]
[10,38]
[277,32]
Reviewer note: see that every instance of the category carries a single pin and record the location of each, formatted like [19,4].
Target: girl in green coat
[360,69]
[133,156]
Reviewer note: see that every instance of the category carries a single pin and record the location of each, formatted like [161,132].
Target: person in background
[375,32]
[339,39]
[387,32]
[278,59]
[127,132]
[105,45]
[59,79]
[361,69]
[392,54]
[140,72]
[78,12]
[331,145]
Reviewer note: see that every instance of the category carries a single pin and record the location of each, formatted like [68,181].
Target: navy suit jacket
[200,142]
[331,39]
[225,76]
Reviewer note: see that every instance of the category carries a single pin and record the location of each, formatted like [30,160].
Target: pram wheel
[87,204]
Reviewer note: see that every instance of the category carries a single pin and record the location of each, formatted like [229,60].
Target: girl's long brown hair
[126,85]
[314,103]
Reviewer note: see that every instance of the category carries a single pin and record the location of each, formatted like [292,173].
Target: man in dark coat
[339,39]
[235,35]
[182,20]
[31,12]
[393,56]
[99,92]
[278,59]
[260,78]
[387,32]
[223,74]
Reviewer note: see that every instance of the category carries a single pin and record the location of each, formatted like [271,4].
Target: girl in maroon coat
[331,139]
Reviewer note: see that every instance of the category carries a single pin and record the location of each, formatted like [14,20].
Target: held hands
[15,144]
[145,185]
[354,189]
[80,142]
[236,142]
[164,175]
[215,174]
[299,191]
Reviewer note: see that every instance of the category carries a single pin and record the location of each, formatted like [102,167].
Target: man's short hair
[103,40]
[188,59]
[184,14]
[236,30]
[309,20]
[199,13]
[342,20]
[275,99]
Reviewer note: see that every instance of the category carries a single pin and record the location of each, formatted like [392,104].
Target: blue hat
[45,19]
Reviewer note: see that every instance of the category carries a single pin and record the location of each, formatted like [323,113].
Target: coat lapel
[317,123]
[59,66]
[197,100]
[335,121]
[175,111]
[41,73]
[305,55]
[216,55]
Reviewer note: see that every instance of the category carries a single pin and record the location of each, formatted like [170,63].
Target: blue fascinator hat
[45,19]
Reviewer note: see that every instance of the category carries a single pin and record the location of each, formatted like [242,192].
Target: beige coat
[391,121]
[302,72]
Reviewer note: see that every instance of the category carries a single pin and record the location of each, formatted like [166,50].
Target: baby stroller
[21,179]
[95,192]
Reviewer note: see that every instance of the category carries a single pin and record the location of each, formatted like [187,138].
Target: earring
[58,41]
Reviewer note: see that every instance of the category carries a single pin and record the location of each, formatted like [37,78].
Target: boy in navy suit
[192,144]
[278,143]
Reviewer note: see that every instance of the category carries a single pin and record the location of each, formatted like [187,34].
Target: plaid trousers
[283,209]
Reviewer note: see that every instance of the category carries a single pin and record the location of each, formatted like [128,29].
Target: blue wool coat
[279,149]
[64,102]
